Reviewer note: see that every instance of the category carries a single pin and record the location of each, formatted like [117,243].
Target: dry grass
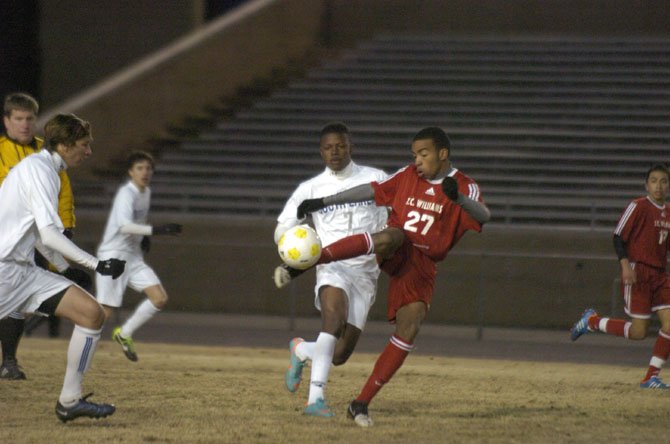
[184,394]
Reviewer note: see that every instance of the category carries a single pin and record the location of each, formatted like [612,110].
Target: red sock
[659,354]
[615,327]
[387,364]
[346,248]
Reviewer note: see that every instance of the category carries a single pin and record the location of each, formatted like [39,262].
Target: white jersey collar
[450,173]
[58,161]
[660,207]
[344,173]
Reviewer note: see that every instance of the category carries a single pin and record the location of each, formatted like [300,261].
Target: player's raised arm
[360,193]
[53,239]
[476,209]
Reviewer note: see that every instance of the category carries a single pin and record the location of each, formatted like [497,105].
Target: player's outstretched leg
[358,411]
[84,408]
[126,344]
[582,325]
[293,375]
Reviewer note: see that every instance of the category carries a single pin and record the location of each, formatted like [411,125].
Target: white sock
[321,362]
[142,314]
[305,350]
[79,355]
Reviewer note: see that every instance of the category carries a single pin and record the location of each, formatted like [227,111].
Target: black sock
[10,333]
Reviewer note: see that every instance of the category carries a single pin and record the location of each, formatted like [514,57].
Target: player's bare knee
[637,334]
[93,316]
[386,242]
[160,303]
[333,325]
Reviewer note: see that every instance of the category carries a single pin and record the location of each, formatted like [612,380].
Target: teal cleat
[319,408]
[582,326]
[293,375]
[654,383]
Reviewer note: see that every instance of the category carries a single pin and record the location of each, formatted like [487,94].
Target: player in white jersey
[28,220]
[344,290]
[127,236]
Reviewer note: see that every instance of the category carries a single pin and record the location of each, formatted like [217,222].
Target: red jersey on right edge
[430,220]
[644,228]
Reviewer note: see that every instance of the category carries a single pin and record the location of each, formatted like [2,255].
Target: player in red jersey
[641,244]
[432,205]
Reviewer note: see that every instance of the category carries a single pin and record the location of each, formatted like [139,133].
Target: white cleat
[282,277]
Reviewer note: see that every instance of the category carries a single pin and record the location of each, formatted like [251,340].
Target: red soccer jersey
[644,228]
[430,220]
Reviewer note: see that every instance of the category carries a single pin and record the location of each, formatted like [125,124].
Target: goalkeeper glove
[309,206]
[172,229]
[111,267]
[450,188]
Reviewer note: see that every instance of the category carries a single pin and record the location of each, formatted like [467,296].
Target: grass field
[184,394]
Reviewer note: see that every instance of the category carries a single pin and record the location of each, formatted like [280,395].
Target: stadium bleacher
[556,130]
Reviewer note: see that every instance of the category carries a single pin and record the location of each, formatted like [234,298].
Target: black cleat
[358,411]
[10,370]
[83,408]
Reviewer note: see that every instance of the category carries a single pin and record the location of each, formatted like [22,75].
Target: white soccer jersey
[131,206]
[337,221]
[29,202]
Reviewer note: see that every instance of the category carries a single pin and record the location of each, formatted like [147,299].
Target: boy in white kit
[28,220]
[345,290]
[126,237]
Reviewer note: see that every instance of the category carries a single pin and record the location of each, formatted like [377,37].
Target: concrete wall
[83,42]
[140,102]
[502,277]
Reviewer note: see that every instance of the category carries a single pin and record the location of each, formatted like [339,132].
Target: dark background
[20,49]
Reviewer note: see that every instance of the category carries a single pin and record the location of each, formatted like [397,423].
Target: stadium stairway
[557,131]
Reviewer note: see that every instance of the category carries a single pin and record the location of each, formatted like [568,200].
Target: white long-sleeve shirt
[335,222]
[29,209]
[130,209]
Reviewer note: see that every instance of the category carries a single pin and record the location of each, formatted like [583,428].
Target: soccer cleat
[83,408]
[319,408]
[10,370]
[654,383]
[293,374]
[358,411]
[126,343]
[582,326]
[284,274]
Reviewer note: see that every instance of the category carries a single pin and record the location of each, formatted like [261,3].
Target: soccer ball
[299,247]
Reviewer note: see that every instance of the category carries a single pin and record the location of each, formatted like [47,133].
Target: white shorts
[24,286]
[360,287]
[137,275]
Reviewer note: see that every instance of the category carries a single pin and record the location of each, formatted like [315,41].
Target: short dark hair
[437,135]
[139,156]
[657,167]
[20,101]
[335,127]
[65,129]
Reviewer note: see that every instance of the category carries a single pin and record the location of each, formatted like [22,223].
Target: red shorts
[412,278]
[650,293]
